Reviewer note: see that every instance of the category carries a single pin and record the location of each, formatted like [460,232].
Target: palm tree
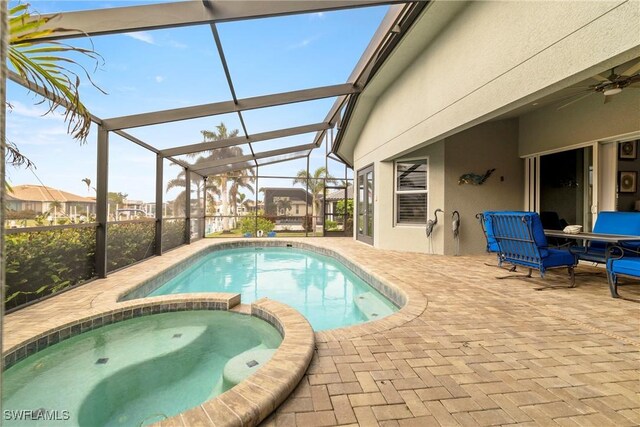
[317,181]
[54,207]
[284,205]
[47,64]
[221,181]
[241,179]
[243,201]
[224,185]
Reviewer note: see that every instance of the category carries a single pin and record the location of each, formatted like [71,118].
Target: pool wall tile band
[398,297]
[129,311]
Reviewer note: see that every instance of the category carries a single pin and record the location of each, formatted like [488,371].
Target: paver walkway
[485,352]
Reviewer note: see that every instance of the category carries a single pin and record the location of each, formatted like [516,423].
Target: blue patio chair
[492,245]
[271,234]
[628,265]
[487,230]
[248,234]
[521,241]
[625,223]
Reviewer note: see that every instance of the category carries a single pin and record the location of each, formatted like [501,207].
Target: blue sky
[162,69]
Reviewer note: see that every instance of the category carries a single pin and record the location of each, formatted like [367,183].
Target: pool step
[241,366]
[370,306]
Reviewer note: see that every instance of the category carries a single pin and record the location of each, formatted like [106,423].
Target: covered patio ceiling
[119,20]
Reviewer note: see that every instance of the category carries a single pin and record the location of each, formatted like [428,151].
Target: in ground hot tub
[134,372]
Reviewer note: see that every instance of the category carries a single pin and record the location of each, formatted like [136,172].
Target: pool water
[134,372]
[325,291]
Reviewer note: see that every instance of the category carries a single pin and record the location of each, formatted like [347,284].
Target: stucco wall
[493,57]
[584,121]
[486,146]
[407,237]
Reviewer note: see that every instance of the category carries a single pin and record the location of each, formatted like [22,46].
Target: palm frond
[47,65]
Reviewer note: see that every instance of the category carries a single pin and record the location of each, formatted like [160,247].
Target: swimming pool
[134,372]
[324,290]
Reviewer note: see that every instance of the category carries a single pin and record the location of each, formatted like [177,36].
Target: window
[411,191]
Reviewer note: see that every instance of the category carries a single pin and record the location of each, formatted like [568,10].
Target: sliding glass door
[566,188]
[364,231]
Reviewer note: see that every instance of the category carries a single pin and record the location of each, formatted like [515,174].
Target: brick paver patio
[484,352]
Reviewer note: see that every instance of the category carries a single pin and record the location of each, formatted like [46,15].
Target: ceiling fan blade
[574,101]
[631,71]
[607,99]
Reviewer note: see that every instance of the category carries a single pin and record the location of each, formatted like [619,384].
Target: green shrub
[44,262]
[174,233]
[330,225]
[248,225]
[129,242]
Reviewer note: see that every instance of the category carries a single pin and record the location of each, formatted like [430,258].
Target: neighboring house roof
[40,193]
[336,195]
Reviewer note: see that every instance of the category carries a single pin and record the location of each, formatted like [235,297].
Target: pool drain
[252,363]
[177,335]
[102,361]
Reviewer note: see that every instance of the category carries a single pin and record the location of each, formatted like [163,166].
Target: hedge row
[39,263]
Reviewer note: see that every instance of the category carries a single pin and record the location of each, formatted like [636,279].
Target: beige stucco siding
[495,56]
[584,121]
[387,234]
[486,146]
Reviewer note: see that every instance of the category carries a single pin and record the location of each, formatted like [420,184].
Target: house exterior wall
[584,121]
[491,58]
[486,146]
[412,238]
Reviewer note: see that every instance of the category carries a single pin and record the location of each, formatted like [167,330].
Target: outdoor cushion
[557,258]
[628,266]
[625,223]
[536,226]
[617,223]
[492,244]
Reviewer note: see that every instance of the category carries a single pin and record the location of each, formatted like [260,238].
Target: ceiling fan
[610,85]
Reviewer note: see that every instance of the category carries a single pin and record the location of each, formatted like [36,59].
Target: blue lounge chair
[248,235]
[625,223]
[492,245]
[271,234]
[626,266]
[521,241]
[485,223]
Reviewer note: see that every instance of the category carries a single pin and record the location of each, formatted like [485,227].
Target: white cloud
[177,44]
[303,43]
[159,79]
[39,111]
[143,36]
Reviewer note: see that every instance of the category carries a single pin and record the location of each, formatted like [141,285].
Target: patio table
[612,240]
[585,237]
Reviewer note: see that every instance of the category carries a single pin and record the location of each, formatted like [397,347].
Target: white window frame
[396,191]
